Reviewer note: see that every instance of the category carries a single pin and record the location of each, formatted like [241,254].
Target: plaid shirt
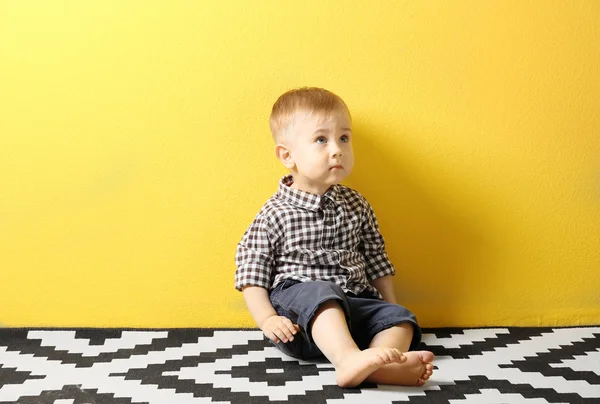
[303,236]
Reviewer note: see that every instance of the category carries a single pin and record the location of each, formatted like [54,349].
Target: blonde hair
[309,99]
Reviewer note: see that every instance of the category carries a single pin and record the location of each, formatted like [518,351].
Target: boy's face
[320,150]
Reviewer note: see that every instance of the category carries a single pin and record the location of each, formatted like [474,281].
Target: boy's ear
[284,155]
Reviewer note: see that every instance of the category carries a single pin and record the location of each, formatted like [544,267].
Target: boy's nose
[336,150]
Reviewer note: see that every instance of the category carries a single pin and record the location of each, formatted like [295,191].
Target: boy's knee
[403,329]
[329,304]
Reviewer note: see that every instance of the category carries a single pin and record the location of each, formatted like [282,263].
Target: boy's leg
[330,332]
[392,326]
[416,370]
[321,310]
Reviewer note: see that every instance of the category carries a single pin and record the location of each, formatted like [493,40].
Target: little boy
[312,265]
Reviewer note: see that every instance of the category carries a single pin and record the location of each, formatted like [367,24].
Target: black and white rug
[479,366]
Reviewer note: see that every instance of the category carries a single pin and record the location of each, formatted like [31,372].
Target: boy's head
[312,130]
[312,100]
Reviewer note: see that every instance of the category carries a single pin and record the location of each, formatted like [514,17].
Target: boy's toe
[427,357]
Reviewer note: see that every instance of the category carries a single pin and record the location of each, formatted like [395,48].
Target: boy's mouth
[338,167]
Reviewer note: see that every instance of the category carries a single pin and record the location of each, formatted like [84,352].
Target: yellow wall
[134,152]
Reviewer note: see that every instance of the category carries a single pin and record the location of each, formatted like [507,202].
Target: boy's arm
[255,261]
[274,326]
[385,286]
[372,246]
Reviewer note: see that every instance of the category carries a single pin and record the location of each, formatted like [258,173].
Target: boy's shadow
[437,249]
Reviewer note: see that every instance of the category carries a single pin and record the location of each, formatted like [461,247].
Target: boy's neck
[310,189]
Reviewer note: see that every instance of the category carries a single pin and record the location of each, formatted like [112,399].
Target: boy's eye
[345,139]
[321,140]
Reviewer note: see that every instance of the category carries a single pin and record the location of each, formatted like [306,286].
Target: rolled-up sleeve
[255,254]
[373,246]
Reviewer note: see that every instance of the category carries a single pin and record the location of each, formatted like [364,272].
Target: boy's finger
[290,326]
[285,333]
[399,354]
[273,337]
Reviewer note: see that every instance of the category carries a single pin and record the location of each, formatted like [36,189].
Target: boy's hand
[279,328]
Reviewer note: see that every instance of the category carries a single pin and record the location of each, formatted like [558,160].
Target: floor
[121,366]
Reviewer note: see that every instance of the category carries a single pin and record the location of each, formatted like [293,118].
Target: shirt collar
[303,199]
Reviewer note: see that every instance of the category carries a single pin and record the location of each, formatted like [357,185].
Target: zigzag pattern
[485,365]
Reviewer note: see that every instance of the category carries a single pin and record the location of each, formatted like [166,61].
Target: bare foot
[355,367]
[415,371]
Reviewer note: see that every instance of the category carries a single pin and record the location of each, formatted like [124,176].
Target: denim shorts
[366,316]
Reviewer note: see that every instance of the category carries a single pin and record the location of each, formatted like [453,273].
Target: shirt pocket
[351,232]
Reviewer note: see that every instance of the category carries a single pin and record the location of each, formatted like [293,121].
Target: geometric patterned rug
[125,366]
